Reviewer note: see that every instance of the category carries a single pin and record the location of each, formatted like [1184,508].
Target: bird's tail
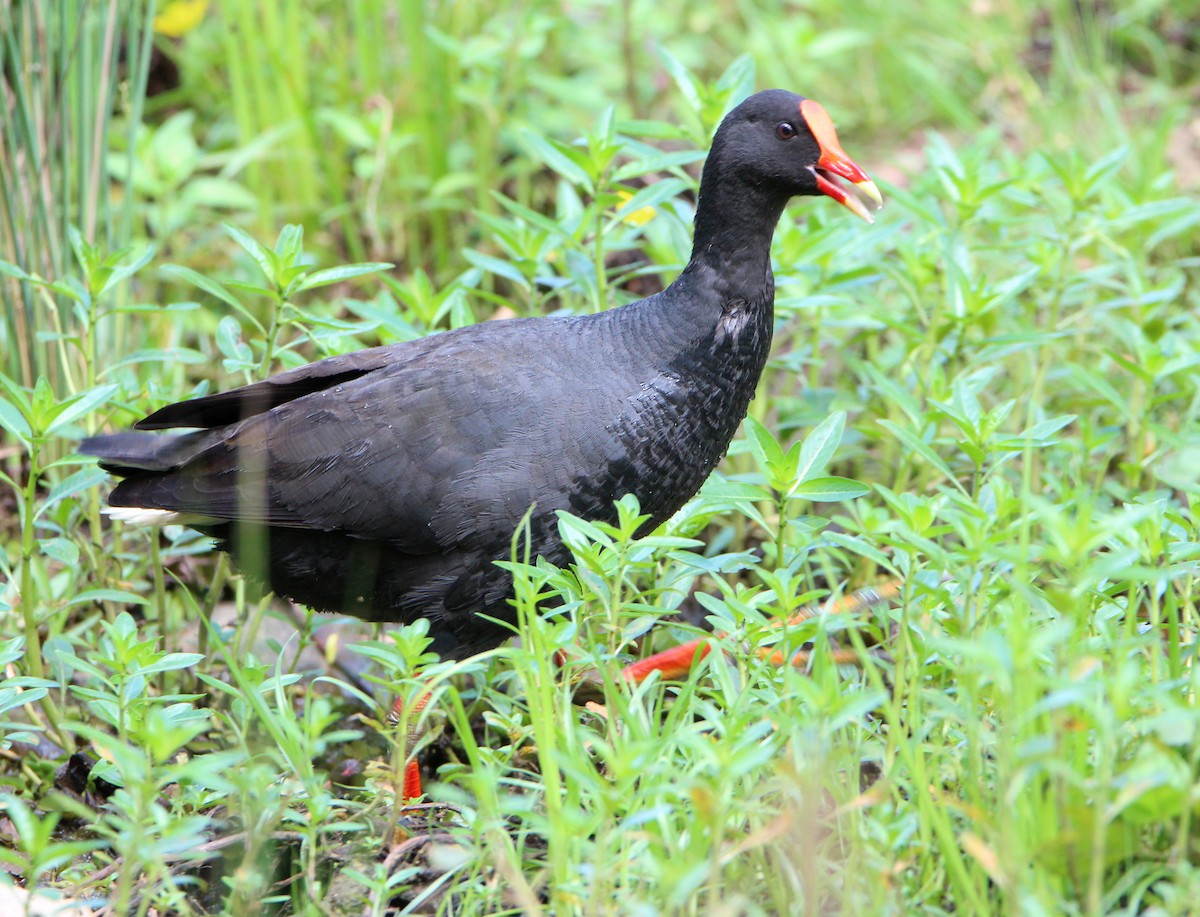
[133,454]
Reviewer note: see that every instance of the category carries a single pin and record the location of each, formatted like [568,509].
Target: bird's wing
[226,408]
[448,444]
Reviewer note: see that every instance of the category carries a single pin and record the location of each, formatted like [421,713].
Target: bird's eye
[785,130]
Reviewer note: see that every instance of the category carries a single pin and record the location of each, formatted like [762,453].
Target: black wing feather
[227,408]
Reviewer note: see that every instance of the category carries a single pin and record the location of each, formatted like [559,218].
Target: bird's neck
[734,225]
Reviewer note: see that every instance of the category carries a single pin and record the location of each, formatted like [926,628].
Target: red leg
[679,660]
[855,603]
[412,766]
[676,663]
[673,663]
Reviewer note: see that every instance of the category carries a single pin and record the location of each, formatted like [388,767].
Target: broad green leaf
[14,421]
[763,444]
[212,287]
[684,80]
[923,449]
[829,489]
[651,196]
[267,260]
[858,546]
[63,550]
[170,662]
[558,160]
[124,271]
[85,254]
[81,405]
[660,162]
[81,480]
[1047,428]
[186,355]
[819,447]
[11,650]
[737,82]
[497,266]
[252,288]
[344,272]
[107,595]
[13,271]
[289,245]
[230,343]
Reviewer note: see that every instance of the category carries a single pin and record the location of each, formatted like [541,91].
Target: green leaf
[14,421]
[763,444]
[737,82]
[253,289]
[171,662]
[660,162]
[1040,432]
[344,272]
[186,355]
[218,194]
[11,650]
[289,245]
[81,405]
[652,196]
[230,343]
[721,495]
[267,261]
[124,271]
[653,130]
[85,254]
[13,271]
[819,447]
[65,551]
[582,531]
[532,217]
[829,489]
[497,266]
[1100,170]
[859,546]
[558,159]
[153,308]
[212,287]
[92,596]
[687,84]
[923,449]
[81,480]
[168,730]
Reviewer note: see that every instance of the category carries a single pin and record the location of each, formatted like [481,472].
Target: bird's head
[784,140]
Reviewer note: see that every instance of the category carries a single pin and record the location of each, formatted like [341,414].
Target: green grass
[1012,346]
[70,77]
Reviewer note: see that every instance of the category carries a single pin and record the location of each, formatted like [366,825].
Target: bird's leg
[412,765]
[679,660]
[673,664]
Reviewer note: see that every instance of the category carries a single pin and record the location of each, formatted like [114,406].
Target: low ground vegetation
[1006,362]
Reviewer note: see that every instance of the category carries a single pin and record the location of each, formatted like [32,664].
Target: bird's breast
[674,428]
[734,321]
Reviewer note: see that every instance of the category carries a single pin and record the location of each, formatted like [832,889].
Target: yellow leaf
[639,217]
[179,17]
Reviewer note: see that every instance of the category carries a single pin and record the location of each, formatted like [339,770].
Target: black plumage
[386,483]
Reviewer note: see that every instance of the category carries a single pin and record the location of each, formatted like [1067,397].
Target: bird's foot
[677,661]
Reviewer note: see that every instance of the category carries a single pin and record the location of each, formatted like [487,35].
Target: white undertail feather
[144,515]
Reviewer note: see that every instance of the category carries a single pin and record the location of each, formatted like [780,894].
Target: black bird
[386,483]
